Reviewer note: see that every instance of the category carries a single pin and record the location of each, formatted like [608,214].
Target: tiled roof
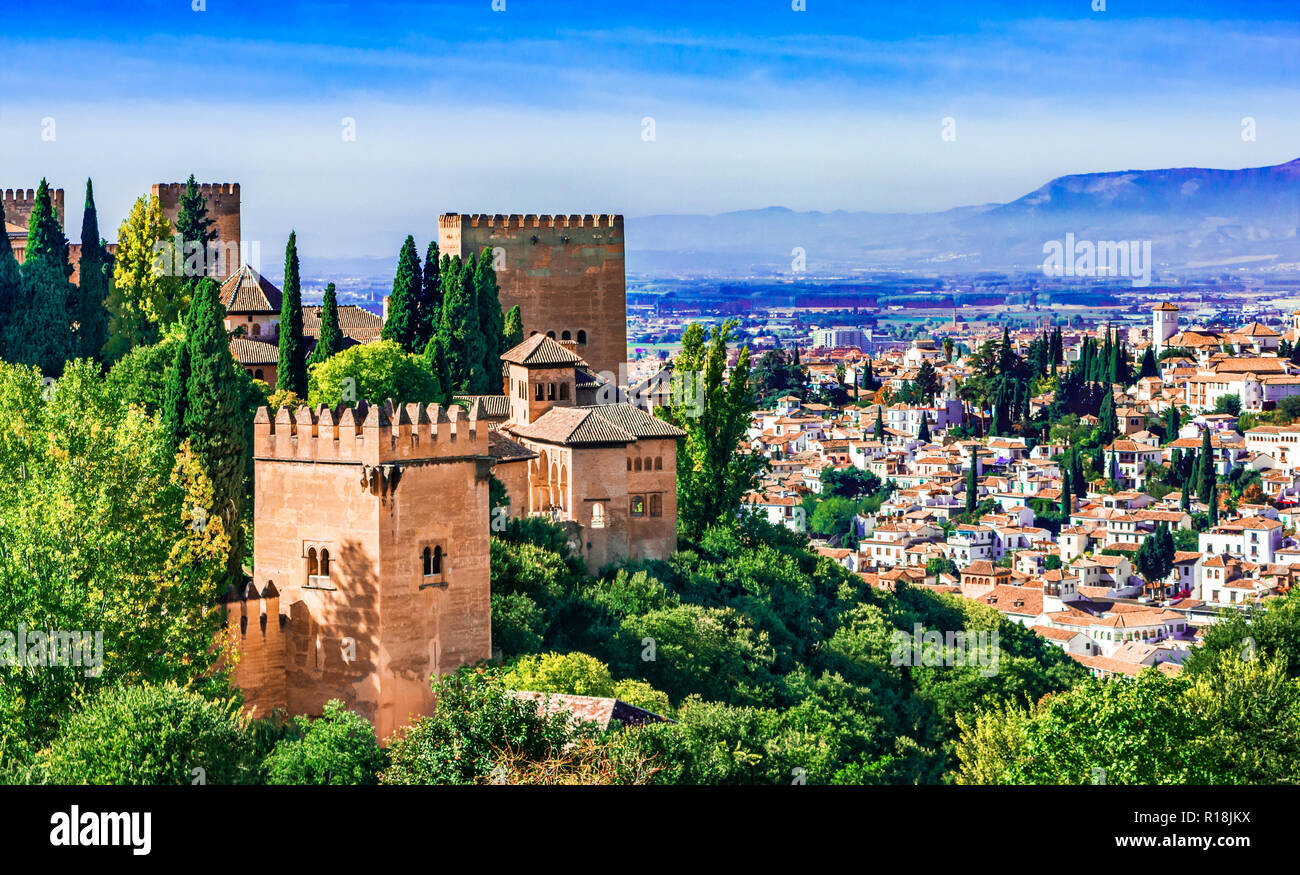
[504,449]
[636,421]
[356,323]
[574,426]
[249,292]
[254,352]
[541,351]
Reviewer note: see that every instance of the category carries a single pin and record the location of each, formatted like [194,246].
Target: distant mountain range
[1197,220]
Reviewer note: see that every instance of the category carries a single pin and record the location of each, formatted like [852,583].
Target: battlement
[18,204]
[175,189]
[530,220]
[369,434]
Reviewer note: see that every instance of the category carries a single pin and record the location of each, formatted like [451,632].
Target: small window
[656,505]
[432,561]
[564,391]
[550,391]
[257,374]
[659,463]
[531,333]
[636,506]
[629,464]
[582,337]
[598,516]
[551,335]
[318,567]
[565,335]
[636,466]
[257,329]
[538,392]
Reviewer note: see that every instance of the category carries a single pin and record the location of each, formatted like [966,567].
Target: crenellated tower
[371,526]
[565,272]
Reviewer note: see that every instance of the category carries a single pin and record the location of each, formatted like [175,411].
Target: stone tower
[566,273]
[1164,324]
[371,531]
[223,209]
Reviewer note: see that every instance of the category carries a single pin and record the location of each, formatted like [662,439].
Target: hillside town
[1187,507]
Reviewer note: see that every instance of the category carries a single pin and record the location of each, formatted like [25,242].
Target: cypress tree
[291,371]
[91,313]
[330,340]
[460,342]
[11,282]
[430,310]
[491,322]
[880,423]
[514,328]
[1066,504]
[1109,419]
[39,330]
[1113,472]
[923,433]
[213,419]
[402,324]
[45,240]
[173,412]
[1206,485]
[195,230]
[972,486]
[1149,366]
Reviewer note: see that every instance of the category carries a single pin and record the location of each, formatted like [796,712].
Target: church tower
[1164,324]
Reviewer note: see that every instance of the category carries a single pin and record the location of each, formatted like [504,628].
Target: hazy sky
[540,108]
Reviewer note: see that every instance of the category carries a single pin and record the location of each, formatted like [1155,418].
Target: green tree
[927,382]
[45,240]
[373,372]
[491,322]
[402,325]
[215,415]
[1109,418]
[1149,366]
[972,485]
[90,311]
[460,340]
[147,294]
[195,230]
[291,370]
[1207,481]
[430,309]
[923,433]
[39,328]
[712,476]
[514,328]
[330,340]
[152,735]
[338,748]
[100,530]
[475,721]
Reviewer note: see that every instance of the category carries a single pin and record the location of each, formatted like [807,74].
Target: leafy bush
[338,748]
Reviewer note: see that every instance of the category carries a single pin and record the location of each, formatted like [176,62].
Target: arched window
[531,333]
[538,392]
[629,464]
[565,335]
[564,391]
[598,516]
[656,505]
[551,335]
[257,329]
[432,561]
[636,466]
[318,567]
[550,391]
[659,463]
[582,337]
[257,374]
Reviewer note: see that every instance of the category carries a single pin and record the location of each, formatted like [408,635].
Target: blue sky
[540,108]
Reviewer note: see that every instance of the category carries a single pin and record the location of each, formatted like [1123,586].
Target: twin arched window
[318,567]
[432,561]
